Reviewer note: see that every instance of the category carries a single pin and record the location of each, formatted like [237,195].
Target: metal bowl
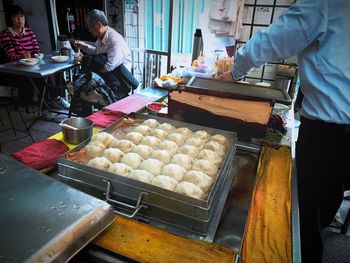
[83,131]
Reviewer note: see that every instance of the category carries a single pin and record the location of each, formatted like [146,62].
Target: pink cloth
[105,118]
[41,154]
[129,104]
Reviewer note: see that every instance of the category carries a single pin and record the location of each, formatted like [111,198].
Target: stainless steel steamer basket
[125,192]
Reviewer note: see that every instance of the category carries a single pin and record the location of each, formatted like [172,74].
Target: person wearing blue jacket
[318,31]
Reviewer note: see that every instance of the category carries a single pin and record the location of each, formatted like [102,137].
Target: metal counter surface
[42,219]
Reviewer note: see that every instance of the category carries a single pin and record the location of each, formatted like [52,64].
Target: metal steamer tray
[133,198]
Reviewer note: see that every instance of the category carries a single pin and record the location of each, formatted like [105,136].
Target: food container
[145,201]
[76,130]
[155,107]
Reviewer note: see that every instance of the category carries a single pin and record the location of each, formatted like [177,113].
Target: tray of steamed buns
[179,167]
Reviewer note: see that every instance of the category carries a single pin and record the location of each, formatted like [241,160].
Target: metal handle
[137,207]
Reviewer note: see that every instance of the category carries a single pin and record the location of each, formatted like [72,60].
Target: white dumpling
[185,132]
[151,141]
[120,169]
[183,160]
[143,129]
[132,159]
[210,156]
[124,145]
[196,142]
[189,150]
[103,137]
[164,181]
[152,123]
[153,166]
[162,155]
[175,171]
[198,178]
[215,147]
[113,143]
[169,146]
[177,138]
[141,175]
[113,154]
[203,135]
[143,150]
[94,149]
[167,127]
[159,133]
[100,163]
[134,137]
[219,138]
[189,189]
[205,166]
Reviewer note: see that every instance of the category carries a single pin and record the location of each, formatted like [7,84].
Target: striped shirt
[15,46]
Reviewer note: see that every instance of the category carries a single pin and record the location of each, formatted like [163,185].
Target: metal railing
[148,64]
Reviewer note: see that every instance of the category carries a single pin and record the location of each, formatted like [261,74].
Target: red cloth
[41,154]
[105,118]
[129,104]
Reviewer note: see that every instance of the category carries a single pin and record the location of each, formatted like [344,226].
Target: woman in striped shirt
[17,42]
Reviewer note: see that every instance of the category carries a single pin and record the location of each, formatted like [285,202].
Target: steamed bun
[196,142]
[159,133]
[189,189]
[205,166]
[198,178]
[151,141]
[120,169]
[141,175]
[168,145]
[189,150]
[166,127]
[162,155]
[185,132]
[164,181]
[183,160]
[220,139]
[94,149]
[132,159]
[103,137]
[124,145]
[176,137]
[175,171]
[100,163]
[210,156]
[152,123]
[143,150]
[113,154]
[143,129]
[153,166]
[203,135]
[134,137]
[215,147]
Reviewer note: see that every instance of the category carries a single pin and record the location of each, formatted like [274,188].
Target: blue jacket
[318,31]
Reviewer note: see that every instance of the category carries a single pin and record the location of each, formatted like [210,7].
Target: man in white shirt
[318,32]
[111,43]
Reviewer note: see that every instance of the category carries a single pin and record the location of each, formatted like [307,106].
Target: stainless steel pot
[81,130]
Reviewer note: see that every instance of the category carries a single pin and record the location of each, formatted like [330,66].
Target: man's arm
[292,32]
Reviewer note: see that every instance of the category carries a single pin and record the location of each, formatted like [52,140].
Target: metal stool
[7,103]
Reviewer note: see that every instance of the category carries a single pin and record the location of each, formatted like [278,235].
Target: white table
[43,69]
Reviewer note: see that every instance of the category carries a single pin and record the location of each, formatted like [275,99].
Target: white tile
[284,2]
[279,11]
[248,14]
[264,2]
[263,15]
